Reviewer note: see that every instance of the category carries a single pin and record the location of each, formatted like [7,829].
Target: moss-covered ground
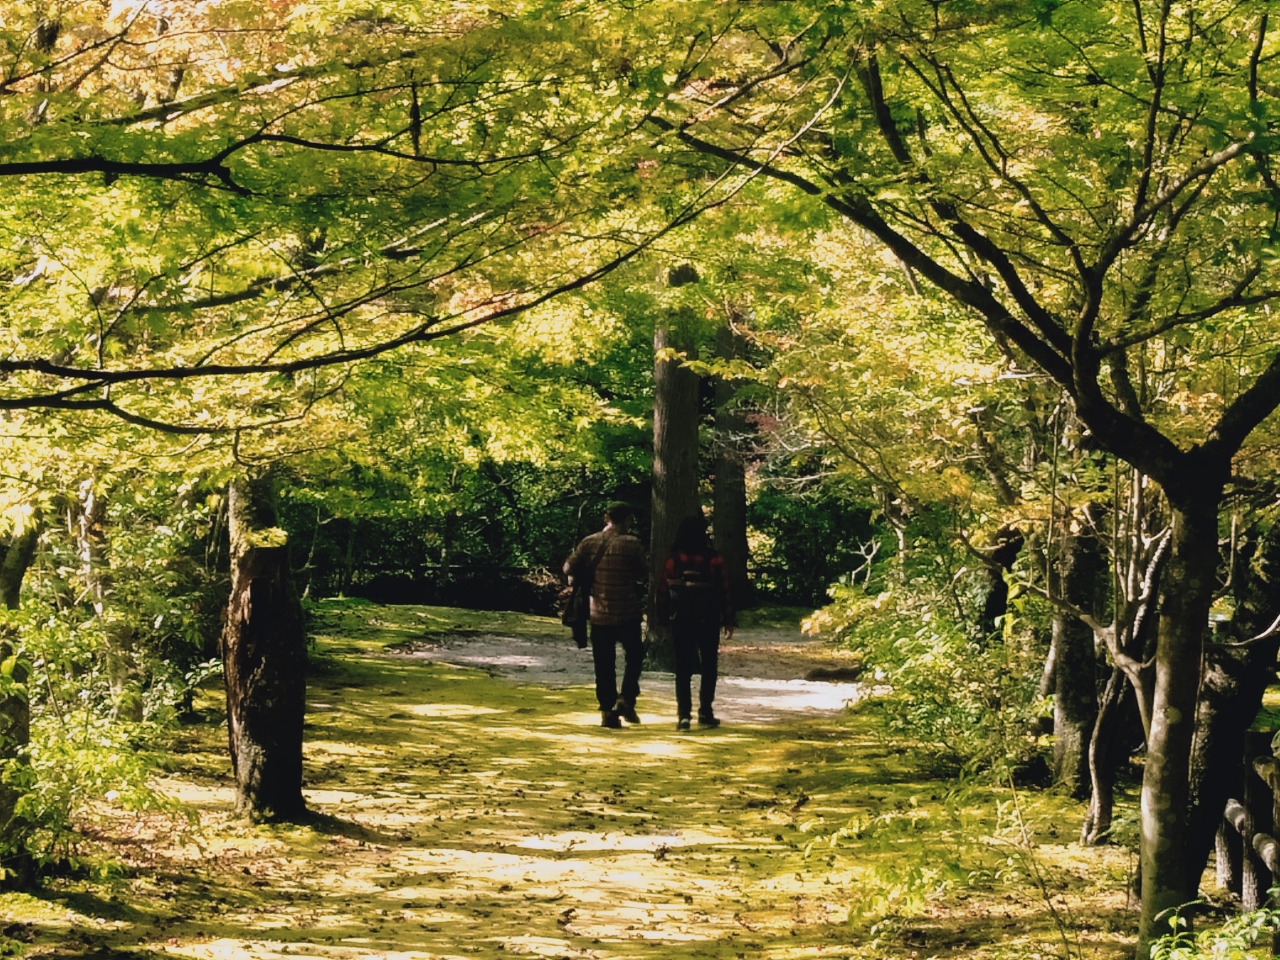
[460,814]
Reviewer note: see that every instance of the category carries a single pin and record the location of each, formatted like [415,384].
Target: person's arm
[574,563]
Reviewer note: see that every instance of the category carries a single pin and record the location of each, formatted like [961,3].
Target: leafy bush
[118,622]
[968,704]
[83,749]
[1237,939]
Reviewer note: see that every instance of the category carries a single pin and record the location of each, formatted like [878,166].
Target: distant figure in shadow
[614,561]
[694,598]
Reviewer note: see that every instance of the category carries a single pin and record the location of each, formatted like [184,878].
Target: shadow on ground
[460,814]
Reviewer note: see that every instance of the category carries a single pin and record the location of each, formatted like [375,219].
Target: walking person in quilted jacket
[694,598]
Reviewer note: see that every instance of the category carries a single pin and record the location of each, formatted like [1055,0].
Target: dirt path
[463,814]
[763,671]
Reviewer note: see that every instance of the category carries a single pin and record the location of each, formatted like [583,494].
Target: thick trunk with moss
[264,658]
[675,459]
[729,510]
[1186,594]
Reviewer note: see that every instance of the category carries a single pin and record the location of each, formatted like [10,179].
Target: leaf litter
[462,811]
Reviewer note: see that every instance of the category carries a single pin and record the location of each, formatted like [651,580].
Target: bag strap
[599,555]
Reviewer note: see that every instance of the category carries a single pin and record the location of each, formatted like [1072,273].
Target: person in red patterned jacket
[616,563]
[694,598]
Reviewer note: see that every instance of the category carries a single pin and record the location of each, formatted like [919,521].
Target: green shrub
[84,749]
[968,704]
[1237,939]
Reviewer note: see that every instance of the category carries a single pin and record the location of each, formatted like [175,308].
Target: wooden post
[1253,888]
[1228,857]
[1268,770]
[1255,878]
[1241,823]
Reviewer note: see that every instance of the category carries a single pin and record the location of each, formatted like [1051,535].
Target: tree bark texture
[1231,688]
[1186,594]
[349,558]
[264,658]
[1004,551]
[1075,700]
[17,559]
[675,460]
[15,711]
[1228,856]
[1102,759]
[120,633]
[729,492]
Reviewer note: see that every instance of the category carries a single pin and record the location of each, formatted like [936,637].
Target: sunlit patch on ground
[460,814]
[450,710]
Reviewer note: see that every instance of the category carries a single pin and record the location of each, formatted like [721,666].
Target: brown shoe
[627,711]
[610,719]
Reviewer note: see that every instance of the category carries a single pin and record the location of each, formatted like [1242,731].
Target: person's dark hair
[691,535]
[619,512]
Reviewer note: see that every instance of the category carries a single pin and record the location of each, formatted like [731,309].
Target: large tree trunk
[675,459]
[729,508]
[1186,594]
[264,658]
[1231,688]
[1075,701]
[1230,694]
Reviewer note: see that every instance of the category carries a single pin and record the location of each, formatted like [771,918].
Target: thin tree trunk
[349,558]
[729,508]
[1075,702]
[1002,554]
[675,460]
[95,571]
[17,559]
[15,713]
[264,658]
[1102,761]
[1186,594]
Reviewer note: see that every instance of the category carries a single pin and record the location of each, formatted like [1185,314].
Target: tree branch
[1246,412]
[198,171]
[860,211]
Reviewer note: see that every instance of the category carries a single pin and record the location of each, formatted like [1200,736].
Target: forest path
[461,814]
[764,669]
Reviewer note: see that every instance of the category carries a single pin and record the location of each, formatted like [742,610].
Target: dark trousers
[604,641]
[697,648]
